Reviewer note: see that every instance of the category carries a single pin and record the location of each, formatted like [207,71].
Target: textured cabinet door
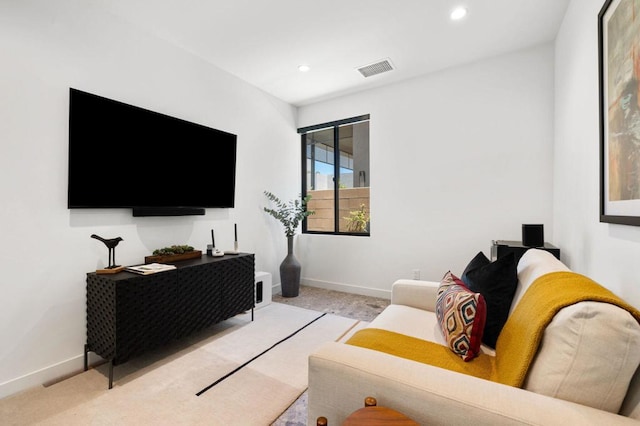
[199,298]
[237,279]
[153,298]
[214,290]
[130,314]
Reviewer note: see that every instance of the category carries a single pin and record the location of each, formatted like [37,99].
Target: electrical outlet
[416,274]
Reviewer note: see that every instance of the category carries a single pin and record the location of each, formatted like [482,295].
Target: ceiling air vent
[376,68]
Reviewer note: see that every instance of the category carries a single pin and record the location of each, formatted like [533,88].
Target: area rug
[237,373]
[348,305]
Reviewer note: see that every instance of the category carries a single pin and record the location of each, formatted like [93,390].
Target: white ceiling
[263,42]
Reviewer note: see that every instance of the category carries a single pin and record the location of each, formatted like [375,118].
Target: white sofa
[583,372]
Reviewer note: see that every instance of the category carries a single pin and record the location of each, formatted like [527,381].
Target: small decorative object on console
[173,253]
[151,268]
[111,244]
[235,241]
[211,248]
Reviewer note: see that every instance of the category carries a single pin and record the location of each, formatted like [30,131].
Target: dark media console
[129,314]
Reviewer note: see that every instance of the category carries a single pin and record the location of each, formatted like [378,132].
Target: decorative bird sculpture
[111,244]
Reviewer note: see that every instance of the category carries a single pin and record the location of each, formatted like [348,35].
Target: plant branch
[290,214]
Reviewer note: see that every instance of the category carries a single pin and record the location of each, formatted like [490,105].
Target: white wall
[608,253]
[45,249]
[458,158]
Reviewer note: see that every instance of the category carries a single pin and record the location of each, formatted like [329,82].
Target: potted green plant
[290,214]
[358,220]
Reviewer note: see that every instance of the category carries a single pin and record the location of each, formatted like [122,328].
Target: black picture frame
[619,77]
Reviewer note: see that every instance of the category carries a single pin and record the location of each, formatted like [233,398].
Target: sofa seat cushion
[422,351]
[414,322]
[409,321]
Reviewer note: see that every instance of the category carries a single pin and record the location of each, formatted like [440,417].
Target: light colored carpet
[159,388]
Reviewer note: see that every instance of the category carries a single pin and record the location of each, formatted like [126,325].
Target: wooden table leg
[370,402]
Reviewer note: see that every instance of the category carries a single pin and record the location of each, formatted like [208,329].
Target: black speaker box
[533,235]
[259,292]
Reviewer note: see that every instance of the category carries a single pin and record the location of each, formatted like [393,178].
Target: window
[337,149]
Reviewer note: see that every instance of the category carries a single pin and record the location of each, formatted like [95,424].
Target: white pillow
[588,354]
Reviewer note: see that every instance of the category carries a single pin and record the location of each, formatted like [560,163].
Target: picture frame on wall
[619,84]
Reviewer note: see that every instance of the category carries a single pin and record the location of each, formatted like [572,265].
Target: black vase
[290,272]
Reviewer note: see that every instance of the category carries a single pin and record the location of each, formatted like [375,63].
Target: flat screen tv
[123,156]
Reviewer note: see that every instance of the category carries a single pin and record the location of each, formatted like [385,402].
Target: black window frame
[302,131]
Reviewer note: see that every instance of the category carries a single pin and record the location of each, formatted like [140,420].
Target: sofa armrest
[415,293]
[341,376]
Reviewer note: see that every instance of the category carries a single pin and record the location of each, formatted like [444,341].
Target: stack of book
[151,268]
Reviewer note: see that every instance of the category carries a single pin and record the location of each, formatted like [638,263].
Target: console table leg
[111,374]
[251,314]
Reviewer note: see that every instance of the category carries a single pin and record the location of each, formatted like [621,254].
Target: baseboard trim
[276,289]
[43,377]
[347,288]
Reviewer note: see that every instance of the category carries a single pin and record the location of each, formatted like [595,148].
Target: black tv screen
[123,156]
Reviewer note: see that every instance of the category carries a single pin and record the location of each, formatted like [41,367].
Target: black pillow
[497,282]
[479,260]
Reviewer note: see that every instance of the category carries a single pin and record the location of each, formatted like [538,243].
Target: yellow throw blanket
[422,351]
[519,340]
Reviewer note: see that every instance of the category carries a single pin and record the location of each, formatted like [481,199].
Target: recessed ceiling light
[458,13]
[303,68]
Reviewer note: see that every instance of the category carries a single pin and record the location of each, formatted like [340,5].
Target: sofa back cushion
[588,354]
[533,264]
